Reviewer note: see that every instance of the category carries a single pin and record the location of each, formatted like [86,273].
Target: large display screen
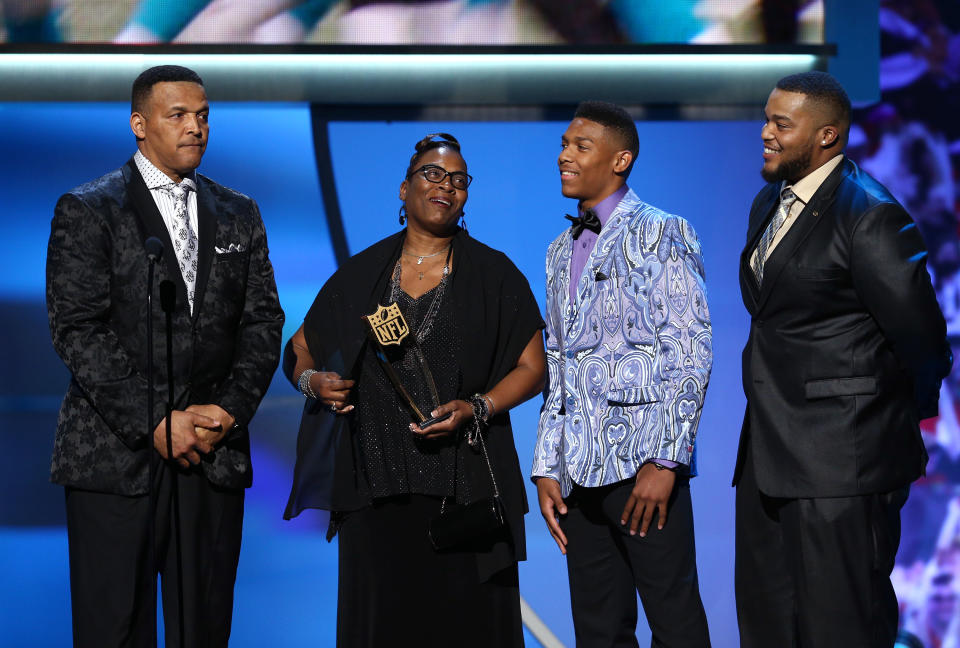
[910,141]
[411,22]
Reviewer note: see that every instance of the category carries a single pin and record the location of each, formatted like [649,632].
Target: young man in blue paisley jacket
[226,326]
[629,356]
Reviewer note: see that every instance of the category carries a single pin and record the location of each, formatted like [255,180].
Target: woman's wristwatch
[660,466]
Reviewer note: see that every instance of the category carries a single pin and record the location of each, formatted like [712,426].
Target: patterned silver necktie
[185,242]
[787,198]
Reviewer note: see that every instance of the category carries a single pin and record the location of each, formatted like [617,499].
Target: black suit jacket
[225,353]
[847,344]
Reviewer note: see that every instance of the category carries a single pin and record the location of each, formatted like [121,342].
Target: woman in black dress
[474,350]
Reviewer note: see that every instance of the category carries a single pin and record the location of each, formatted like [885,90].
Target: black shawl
[496,316]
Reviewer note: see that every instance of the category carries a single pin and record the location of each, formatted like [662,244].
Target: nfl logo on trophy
[388,325]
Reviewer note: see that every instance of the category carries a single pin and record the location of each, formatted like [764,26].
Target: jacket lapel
[759,219]
[152,224]
[806,221]
[560,288]
[207,217]
[609,235]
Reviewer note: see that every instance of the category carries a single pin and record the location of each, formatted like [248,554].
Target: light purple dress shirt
[583,246]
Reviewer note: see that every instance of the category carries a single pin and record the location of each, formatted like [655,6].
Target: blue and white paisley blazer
[630,359]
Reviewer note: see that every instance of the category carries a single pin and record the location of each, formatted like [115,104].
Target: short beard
[790,170]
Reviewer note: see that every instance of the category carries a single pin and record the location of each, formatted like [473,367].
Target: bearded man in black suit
[846,353]
[226,328]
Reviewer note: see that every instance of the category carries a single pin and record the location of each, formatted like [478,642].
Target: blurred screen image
[412,22]
[910,142]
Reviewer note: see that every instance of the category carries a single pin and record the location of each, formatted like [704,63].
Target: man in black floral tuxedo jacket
[226,341]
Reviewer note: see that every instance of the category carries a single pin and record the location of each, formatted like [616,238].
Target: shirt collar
[808,185]
[605,207]
[155,178]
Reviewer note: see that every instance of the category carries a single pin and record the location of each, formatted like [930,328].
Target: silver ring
[333,407]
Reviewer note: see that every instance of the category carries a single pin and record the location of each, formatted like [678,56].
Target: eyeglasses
[436,175]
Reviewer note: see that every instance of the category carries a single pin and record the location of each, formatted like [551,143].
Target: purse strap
[486,457]
[474,437]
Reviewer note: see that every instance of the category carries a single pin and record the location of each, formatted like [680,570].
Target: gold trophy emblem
[388,325]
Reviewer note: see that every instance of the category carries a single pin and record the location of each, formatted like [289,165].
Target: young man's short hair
[613,117]
[826,92]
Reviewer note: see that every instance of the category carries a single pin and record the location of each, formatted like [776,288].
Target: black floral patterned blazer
[224,353]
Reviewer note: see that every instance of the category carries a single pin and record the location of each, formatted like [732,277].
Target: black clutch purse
[461,525]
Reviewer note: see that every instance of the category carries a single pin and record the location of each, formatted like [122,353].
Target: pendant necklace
[427,324]
[421,257]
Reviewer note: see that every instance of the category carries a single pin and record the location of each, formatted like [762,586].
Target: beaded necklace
[427,324]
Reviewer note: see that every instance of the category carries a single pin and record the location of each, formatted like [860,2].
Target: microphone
[168,302]
[168,295]
[154,248]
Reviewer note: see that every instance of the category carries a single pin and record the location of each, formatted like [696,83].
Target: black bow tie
[588,221]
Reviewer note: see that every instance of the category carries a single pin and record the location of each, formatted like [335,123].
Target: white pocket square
[233,247]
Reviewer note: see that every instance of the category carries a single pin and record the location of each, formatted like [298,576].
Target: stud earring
[403,214]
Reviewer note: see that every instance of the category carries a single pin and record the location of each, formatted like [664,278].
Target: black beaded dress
[396,462]
[395,589]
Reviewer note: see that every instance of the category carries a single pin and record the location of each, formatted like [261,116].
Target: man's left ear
[828,136]
[623,161]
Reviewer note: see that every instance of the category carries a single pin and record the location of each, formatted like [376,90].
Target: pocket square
[230,249]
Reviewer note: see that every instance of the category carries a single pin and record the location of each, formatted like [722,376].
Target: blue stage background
[286,587]
[705,171]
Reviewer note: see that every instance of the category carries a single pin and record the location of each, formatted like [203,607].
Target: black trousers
[112,575]
[607,567]
[815,573]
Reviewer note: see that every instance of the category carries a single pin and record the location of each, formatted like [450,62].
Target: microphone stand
[154,248]
[168,298]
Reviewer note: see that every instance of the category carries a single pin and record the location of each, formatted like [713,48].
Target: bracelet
[493,408]
[480,406]
[303,383]
[660,466]
[480,414]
